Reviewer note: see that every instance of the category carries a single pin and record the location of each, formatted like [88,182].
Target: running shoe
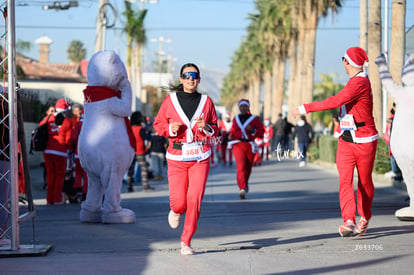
[242,194]
[174,219]
[362,226]
[348,229]
[186,250]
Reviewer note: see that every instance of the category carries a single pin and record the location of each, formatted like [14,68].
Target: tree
[23,46]
[374,49]
[136,36]
[328,86]
[76,51]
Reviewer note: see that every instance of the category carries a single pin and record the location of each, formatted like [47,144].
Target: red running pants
[348,156]
[243,156]
[187,182]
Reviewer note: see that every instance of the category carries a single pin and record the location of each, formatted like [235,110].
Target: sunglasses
[193,75]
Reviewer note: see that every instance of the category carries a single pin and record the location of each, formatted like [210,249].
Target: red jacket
[237,129]
[171,111]
[356,99]
[73,141]
[59,136]
[140,148]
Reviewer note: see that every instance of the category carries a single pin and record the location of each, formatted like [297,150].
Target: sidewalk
[287,225]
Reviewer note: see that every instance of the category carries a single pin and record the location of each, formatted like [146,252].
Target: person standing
[157,149]
[267,138]
[56,152]
[225,126]
[357,143]
[304,134]
[246,128]
[189,120]
[279,134]
[143,143]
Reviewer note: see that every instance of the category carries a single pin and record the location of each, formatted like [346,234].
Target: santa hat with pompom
[356,56]
[62,105]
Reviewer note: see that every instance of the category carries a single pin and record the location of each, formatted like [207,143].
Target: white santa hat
[356,56]
[62,105]
[407,74]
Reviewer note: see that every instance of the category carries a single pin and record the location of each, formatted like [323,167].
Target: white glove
[381,60]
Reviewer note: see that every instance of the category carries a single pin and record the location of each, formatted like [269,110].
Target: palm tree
[76,51]
[135,31]
[374,49]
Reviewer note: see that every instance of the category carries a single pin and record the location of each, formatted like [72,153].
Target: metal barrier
[12,130]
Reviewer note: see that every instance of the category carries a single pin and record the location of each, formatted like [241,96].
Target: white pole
[385,50]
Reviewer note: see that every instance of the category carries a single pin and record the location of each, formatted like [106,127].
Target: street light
[57,5]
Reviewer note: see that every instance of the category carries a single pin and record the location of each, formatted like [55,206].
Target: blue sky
[205,32]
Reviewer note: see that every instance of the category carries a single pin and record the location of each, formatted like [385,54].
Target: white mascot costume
[401,140]
[104,146]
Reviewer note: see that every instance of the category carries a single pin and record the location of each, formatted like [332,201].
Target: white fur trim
[302,109]
[353,64]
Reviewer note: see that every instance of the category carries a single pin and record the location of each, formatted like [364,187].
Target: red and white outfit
[55,155]
[224,131]
[356,117]
[187,178]
[80,173]
[244,147]
[267,138]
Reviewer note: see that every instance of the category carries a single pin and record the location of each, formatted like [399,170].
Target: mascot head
[407,75]
[106,69]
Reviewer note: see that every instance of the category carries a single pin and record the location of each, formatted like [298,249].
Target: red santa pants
[55,176]
[187,183]
[348,156]
[224,152]
[80,174]
[244,157]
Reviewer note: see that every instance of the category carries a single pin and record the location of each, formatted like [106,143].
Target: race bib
[192,151]
[348,123]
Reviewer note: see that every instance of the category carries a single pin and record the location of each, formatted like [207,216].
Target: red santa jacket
[355,99]
[268,135]
[239,133]
[59,136]
[171,111]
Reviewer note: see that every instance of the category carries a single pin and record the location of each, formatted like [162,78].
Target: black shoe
[130,189]
[148,188]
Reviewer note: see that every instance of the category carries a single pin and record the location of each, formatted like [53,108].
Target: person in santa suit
[267,138]
[245,129]
[56,152]
[357,143]
[225,126]
[189,120]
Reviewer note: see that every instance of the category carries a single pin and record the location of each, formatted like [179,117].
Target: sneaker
[242,194]
[130,189]
[174,219]
[389,174]
[302,164]
[186,250]
[362,226]
[348,229]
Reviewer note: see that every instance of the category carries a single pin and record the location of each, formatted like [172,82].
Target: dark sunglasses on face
[187,75]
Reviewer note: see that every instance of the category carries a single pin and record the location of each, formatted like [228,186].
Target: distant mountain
[211,83]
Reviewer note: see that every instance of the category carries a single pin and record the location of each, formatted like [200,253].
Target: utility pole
[100,27]
[161,40]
